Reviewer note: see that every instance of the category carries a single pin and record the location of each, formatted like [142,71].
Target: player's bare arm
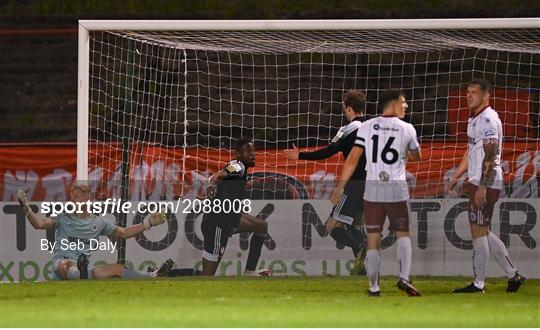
[414,155]
[461,169]
[292,154]
[128,232]
[214,179]
[37,221]
[491,147]
[348,169]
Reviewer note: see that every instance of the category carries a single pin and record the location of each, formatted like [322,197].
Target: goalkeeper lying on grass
[72,263]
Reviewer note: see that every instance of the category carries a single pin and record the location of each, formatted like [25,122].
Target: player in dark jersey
[230,184]
[344,220]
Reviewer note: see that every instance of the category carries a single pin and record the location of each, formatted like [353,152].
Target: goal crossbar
[85,26]
[351,24]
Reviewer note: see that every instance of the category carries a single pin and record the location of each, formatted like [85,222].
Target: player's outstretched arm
[38,222]
[346,173]
[155,219]
[319,154]
[462,168]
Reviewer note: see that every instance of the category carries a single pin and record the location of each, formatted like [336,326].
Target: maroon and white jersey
[485,127]
[386,142]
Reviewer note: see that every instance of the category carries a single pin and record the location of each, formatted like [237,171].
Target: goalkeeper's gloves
[155,219]
[24,202]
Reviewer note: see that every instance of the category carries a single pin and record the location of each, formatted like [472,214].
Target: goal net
[166,107]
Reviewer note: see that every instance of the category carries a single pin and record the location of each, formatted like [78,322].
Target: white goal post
[85,26]
[162,103]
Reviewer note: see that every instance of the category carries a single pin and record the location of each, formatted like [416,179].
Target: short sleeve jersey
[232,187]
[386,141]
[485,127]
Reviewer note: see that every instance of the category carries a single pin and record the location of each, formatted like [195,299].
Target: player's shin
[137,274]
[500,253]
[255,248]
[404,256]
[373,265]
[357,233]
[480,259]
[182,272]
[345,237]
[209,267]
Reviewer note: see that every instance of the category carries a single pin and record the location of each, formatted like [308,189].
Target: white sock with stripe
[373,265]
[404,256]
[480,260]
[499,251]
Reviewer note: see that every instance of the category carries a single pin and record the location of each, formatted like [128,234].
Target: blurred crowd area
[38,68]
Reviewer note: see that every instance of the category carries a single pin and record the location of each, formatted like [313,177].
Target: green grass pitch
[264,302]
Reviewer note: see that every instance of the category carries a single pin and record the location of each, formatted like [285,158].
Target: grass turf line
[265,302]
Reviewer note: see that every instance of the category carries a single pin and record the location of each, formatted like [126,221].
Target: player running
[387,142]
[72,264]
[482,162]
[345,217]
[230,184]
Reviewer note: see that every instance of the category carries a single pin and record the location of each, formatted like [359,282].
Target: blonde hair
[82,187]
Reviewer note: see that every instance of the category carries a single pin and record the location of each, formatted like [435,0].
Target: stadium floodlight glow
[170,97]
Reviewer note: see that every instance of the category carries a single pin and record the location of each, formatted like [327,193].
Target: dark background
[38,69]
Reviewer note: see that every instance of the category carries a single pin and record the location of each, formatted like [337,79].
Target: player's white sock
[73,273]
[404,256]
[373,264]
[480,259]
[499,251]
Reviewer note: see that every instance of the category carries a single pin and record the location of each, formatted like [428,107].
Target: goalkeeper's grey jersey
[72,229]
